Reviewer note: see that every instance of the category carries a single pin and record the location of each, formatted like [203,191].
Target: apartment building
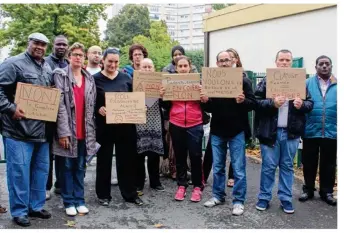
[184,21]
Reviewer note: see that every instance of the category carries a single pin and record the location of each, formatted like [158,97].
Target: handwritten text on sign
[288,82]
[148,82]
[222,82]
[181,87]
[125,108]
[38,102]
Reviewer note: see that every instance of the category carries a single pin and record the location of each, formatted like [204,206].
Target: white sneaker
[238,209]
[213,202]
[114,181]
[71,211]
[47,195]
[82,209]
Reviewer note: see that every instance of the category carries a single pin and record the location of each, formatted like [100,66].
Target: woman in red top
[76,136]
[186,129]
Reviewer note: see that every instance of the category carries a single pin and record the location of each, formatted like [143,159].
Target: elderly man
[25,140]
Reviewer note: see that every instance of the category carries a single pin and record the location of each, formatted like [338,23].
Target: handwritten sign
[148,82]
[38,102]
[222,82]
[288,82]
[125,108]
[182,87]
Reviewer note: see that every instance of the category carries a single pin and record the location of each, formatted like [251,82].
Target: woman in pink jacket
[186,129]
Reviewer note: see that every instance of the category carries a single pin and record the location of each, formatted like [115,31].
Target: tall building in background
[184,21]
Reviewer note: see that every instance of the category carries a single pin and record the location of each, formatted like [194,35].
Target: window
[184,26]
[198,25]
[184,16]
[168,17]
[172,33]
[154,9]
[154,16]
[171,26]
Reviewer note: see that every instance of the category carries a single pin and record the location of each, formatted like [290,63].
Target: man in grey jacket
[25,140]
[57,59]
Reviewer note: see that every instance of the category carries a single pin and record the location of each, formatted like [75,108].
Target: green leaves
[78,22]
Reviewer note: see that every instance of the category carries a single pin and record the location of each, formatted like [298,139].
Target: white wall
[307,35]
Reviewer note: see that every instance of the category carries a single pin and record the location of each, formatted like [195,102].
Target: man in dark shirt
[228,124]
[57,59]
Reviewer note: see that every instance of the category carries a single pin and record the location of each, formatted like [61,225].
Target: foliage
[220,6]
[197,58]
[78,22]
[133,20]
[158,44]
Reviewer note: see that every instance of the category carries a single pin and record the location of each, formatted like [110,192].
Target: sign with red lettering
[222,82]
[125,108]
[148,82]
[38,102]
[288,82]
[181,87]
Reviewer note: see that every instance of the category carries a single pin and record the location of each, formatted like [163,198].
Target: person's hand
[204,97]
[64,142]
[279,101]
[18,114]
[102,111]
[240,98]
[162,91]
[298,103]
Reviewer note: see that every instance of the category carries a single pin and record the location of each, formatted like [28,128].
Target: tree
[132,20]
[197,58]
[78,22]
[158,44]
[220,6]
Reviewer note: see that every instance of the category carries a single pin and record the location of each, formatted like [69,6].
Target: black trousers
[328,163]
[58,167]
[153,164]
[186,140]
[208,163]
[123,136]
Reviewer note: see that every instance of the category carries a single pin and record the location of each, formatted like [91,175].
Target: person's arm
[263,104]
[7,81]
[62,122]
[307,104]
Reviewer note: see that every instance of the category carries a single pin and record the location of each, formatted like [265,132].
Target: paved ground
[161,210]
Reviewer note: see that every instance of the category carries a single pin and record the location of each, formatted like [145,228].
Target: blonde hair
[75,46]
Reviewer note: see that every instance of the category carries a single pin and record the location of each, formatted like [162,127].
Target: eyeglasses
[224,60]
[77,54]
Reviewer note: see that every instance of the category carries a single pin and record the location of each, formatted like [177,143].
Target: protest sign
[148,82]
[125,107]
[38,102]
[181,87]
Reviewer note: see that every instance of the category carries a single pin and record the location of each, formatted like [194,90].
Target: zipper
[185,113]
[324,109]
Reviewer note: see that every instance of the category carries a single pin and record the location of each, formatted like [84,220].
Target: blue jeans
[72,178]
[282,155]
[237,154]
[27,174]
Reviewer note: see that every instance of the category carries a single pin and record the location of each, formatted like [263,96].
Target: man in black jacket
[57,59]
[228,125]
[25,140]
[279,125]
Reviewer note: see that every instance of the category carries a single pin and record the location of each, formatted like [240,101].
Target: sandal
[230,183]
[2,209]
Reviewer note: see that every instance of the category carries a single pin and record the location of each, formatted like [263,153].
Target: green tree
[220,6]
[78,22]
[197,58]
[158,44]
[132,20]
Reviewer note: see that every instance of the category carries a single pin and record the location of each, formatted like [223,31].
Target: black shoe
[329,199]
[22,221]
[159,188]
[136,201]
[104,202]
[306,194]
[40,214]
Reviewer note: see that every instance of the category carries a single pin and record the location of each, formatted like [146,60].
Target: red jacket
[186,114]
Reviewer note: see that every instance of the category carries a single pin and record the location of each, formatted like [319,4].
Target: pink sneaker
[180,194]
[196,195]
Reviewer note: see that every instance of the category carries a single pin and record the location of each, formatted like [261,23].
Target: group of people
[174,130]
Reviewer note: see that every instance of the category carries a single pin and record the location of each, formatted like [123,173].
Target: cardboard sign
[182,87]
[288,82]
[125,108]
[222,82]
[148,82]
[38,102]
